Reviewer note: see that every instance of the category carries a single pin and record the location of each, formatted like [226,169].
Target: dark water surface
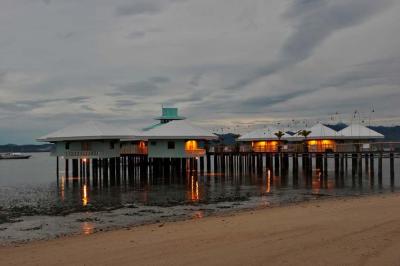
[34,206]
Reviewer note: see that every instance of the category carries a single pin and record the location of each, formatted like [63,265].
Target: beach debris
[39,227]
[88,219]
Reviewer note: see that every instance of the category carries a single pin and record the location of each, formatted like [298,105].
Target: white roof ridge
[89,130]
[177,129]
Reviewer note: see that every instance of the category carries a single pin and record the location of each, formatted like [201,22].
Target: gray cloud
[124,103]
[159,79]
[314,21]
[2,76]
[245,62]
[196,96]
[140,8]
[263,102]
[384,71]
[137,34]
[87,108]
[139,88]
[29,105]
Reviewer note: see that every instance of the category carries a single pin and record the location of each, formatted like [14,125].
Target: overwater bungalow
[87,140]
[174,137]
[356,137]
[359,132]
[320,138]
[261,140]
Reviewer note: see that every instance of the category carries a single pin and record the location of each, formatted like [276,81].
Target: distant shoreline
[26,148]
[348,230]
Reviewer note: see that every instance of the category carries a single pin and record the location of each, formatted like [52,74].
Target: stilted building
[358,132]
[320,139]
[174,137]
[87,140]
[261,140]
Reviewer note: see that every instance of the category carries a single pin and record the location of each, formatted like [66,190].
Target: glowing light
[321,145]
[84,160]
[194,190]
[268,181]
[312,142]
[85,198]
[198,214]
[87,228]
[265,146]
[191,145]
[62,188]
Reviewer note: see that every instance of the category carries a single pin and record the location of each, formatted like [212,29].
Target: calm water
[34,206]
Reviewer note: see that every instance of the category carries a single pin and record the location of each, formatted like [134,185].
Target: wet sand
[346,231]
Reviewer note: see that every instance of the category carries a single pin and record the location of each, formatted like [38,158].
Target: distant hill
[26,148]
[337,127]
[390,133]
[226,139]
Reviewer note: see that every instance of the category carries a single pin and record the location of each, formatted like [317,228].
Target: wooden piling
[380,159]
[58,171]
[75,165]
[87,174]
[105,172]
[372,169]
[95,172]
[325,164]
[391,159]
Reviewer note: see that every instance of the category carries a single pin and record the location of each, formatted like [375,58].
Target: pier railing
[301,148]
[196,152]
[134,149]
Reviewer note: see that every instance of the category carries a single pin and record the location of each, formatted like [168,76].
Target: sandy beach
[346,231]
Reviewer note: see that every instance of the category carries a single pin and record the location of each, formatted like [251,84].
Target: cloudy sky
[222,62]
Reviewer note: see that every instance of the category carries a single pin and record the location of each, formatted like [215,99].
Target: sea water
[34,204]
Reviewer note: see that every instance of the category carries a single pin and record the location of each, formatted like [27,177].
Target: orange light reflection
[268,182]
[87,228]
[85,198]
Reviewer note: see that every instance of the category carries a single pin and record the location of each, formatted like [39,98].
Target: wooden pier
[126,169]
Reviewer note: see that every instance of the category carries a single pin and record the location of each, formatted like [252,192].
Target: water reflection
[210,187]
[87,228]
[85,198]
[268,183]
[41,191]
[194,189]
[62,188]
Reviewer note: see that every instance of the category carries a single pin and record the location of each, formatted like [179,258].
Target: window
[67,145]
[153,143]
[171,145]
[112,145]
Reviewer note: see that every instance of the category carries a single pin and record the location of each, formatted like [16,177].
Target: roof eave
[81,138]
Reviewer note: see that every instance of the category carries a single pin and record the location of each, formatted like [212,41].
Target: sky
[228,65]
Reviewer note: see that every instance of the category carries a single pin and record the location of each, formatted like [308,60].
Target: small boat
[14,155]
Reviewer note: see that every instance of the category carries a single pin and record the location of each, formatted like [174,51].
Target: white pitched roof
[261,134]
[88,131]
[318,131]
[357,131]
[177,129]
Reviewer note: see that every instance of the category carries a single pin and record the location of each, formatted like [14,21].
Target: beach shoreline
[348,230]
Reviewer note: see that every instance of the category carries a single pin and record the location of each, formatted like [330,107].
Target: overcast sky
[223,63]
